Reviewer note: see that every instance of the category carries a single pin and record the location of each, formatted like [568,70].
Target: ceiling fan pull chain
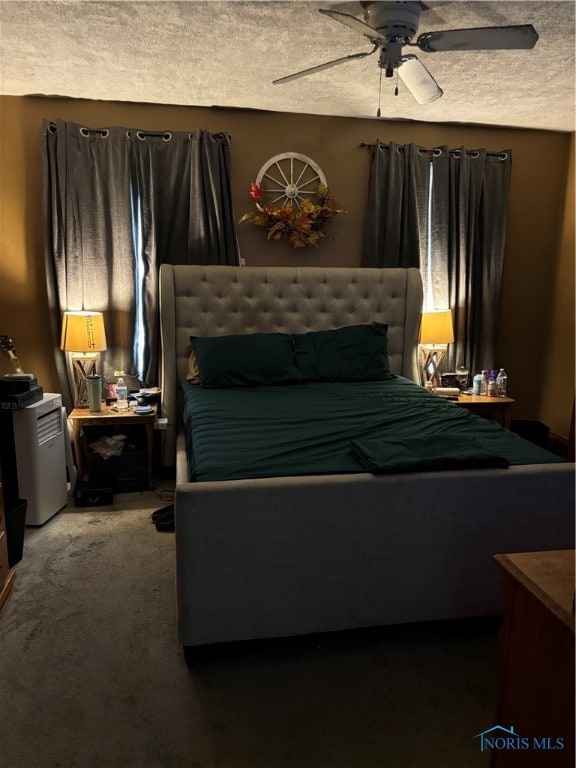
[396,88]
[379,113]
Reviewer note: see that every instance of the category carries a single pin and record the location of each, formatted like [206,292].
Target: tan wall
[535,267]
[558,389]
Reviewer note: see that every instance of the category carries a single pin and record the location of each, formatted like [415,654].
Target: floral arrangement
[302,224]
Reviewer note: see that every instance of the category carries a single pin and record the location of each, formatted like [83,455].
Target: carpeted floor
[92,675]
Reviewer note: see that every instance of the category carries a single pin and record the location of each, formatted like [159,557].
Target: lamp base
[83,365]
[432,359]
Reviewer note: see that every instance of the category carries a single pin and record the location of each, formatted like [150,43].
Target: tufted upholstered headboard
[218,300]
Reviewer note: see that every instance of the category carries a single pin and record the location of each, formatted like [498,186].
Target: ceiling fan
[390,26]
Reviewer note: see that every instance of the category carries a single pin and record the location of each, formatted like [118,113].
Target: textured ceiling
[227,54]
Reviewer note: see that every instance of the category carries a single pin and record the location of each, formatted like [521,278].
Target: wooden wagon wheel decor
[286,178]
[292,200]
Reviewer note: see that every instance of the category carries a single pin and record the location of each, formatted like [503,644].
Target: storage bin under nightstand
[125,473]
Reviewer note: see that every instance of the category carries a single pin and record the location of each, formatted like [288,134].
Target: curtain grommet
[104,132]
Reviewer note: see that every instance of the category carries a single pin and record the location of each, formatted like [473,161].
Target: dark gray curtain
[118,203]
[395,232]
[88,237]
[182,190]
[471,189]
[454,216]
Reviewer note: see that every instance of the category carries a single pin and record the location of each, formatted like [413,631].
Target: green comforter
[308,429]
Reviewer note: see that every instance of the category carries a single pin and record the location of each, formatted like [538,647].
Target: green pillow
[245,360]
[352,353]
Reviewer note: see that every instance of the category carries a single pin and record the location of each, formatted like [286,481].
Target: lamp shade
[83,332]
[436,327]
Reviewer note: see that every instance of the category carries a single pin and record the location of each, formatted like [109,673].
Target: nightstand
[82,417]
[497,409]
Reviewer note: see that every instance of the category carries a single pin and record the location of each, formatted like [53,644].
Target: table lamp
[436,332]
[83,335]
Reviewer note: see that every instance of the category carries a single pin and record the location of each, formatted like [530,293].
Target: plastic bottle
[121,393]
[501,383]
[484,383]
[477,384]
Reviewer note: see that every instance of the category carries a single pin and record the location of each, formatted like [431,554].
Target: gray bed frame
[296,555]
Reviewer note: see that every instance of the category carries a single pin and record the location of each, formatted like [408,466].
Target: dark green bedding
[308,429]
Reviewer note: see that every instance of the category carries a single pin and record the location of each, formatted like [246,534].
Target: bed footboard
[289,556]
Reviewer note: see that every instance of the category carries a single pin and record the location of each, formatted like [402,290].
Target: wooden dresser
[7,575]
[536,695]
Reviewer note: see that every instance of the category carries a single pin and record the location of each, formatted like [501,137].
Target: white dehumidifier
[39,444]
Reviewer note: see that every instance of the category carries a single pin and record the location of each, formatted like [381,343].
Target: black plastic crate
[534,431]
[134,479]
[128,458]
[126,472]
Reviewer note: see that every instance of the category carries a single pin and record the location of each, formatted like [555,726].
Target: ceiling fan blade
[418,80]
[479,39]
[326,65]
[351,21]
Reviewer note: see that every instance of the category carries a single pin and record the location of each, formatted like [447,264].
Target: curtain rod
[142,135]
[104,133]
[437,151]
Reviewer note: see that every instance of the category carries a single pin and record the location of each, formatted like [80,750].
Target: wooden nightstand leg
[77,448]
[150,446]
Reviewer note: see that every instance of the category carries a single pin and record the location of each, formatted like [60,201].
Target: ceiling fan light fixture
[418,80]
